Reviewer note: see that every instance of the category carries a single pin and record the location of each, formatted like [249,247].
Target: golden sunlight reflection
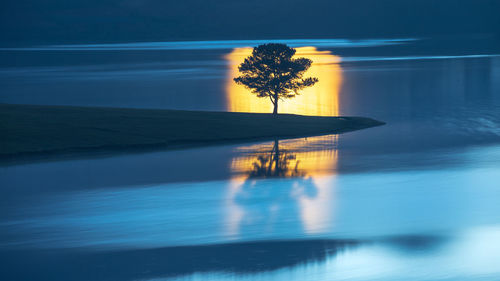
[312,156]
[321,99]
[309,165]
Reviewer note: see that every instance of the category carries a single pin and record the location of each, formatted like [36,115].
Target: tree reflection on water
[281,187]
[276,164]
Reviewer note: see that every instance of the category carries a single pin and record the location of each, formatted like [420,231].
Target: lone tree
[272,72]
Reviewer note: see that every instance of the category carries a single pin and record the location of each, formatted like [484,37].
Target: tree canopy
[272,72]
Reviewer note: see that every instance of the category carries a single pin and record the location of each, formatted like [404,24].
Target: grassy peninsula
[29,130]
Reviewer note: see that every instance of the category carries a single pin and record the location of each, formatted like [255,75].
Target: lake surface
[416,199]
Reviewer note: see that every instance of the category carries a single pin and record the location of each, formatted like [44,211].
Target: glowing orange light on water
[321,99]
[312,191]
[314,156]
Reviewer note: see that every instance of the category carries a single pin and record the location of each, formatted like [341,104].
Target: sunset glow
[321,99]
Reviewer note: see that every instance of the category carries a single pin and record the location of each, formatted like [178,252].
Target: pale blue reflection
[470,255]
[360,206]
[221,44]
[409,58]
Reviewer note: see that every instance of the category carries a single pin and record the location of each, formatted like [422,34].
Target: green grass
[30,130]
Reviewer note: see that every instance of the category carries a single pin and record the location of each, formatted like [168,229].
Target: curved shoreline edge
[39,132]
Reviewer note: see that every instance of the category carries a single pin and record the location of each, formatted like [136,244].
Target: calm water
[416,199]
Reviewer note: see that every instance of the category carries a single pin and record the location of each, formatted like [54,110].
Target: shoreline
[32,133]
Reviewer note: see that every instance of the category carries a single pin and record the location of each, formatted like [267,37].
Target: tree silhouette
[272,72]
[276,163]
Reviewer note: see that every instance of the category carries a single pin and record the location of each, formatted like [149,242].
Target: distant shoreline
[34,132]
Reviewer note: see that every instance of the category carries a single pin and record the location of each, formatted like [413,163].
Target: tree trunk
[276,149]
[275,110]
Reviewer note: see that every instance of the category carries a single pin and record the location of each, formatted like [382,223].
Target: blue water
[220,44]
[416,199]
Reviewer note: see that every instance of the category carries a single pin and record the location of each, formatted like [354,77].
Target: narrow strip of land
[30,129]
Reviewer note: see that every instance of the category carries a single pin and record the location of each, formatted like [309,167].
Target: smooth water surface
[415,199]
